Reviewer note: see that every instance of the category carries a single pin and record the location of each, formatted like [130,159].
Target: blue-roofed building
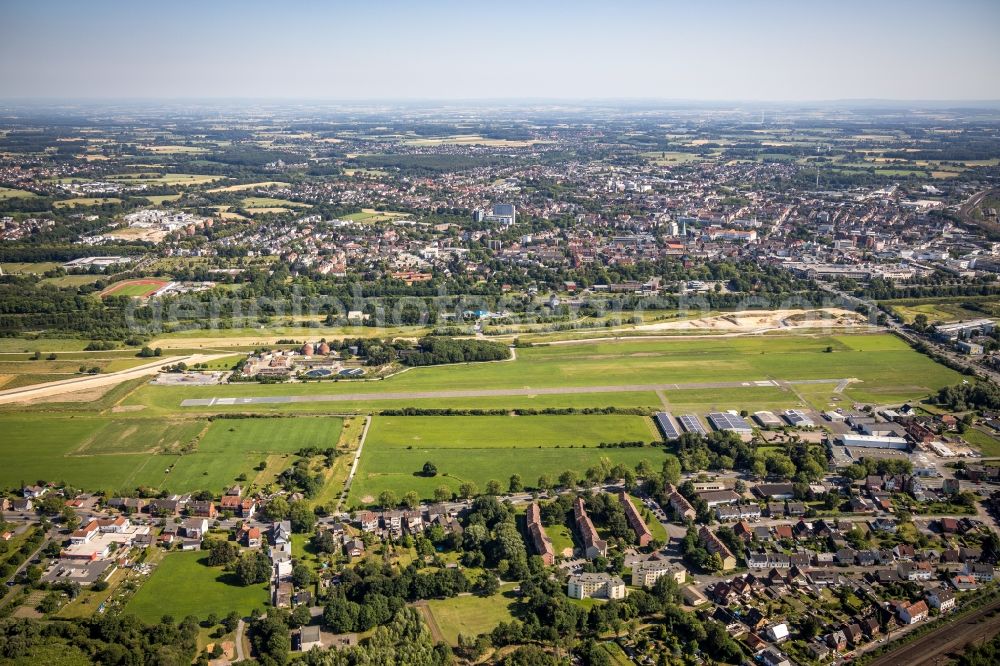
[729,422]
[798,418]
[690,423]
[668,428]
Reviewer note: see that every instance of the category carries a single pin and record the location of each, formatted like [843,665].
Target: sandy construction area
[758,321]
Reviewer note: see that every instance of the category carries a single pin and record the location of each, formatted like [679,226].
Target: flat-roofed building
[668,427]
[767,419]
[960,330]
[798,418]
[729,422]
[692,424]
[873,441]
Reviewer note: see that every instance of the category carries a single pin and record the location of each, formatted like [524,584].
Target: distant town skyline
[770,50]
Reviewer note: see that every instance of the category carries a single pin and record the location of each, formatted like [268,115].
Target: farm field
[39,447]
[666,158]
[472,615]
[231,447]
[523,449]
[175,150]
[470,139]
[183,585]
[20,372]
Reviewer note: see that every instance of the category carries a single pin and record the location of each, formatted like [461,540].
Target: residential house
[940,598]
[715,545]
[195,528]
[539,539]
[911,613]
[202,508]
[642,534]
[593,545]
[368,521]
[354,548]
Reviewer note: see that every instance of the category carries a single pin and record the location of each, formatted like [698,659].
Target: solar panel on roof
[727,421]
[690,423]
[666,425]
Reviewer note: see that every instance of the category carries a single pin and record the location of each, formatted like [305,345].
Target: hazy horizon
[772,51]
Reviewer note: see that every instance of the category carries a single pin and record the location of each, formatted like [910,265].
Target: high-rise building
[503,214]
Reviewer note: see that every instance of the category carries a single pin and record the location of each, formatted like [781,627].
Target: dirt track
[976,627]
[431,621]
[85,386]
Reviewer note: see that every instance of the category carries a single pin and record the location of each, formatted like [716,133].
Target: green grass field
[247,186]
[233,447]
[481,448]
[988,445]
[371,216]
[159,199]
[11,193]
[34,267]
[887,370]
[269,202]
[946,309]
[505,432]
[183,585]
[177,179]
[472,615]
[86,201]
[114,452]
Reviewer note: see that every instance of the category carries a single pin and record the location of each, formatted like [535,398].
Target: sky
[753,50]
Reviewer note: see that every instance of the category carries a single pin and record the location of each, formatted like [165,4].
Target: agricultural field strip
[486,393]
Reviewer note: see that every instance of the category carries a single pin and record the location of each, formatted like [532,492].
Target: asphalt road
[490,393]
